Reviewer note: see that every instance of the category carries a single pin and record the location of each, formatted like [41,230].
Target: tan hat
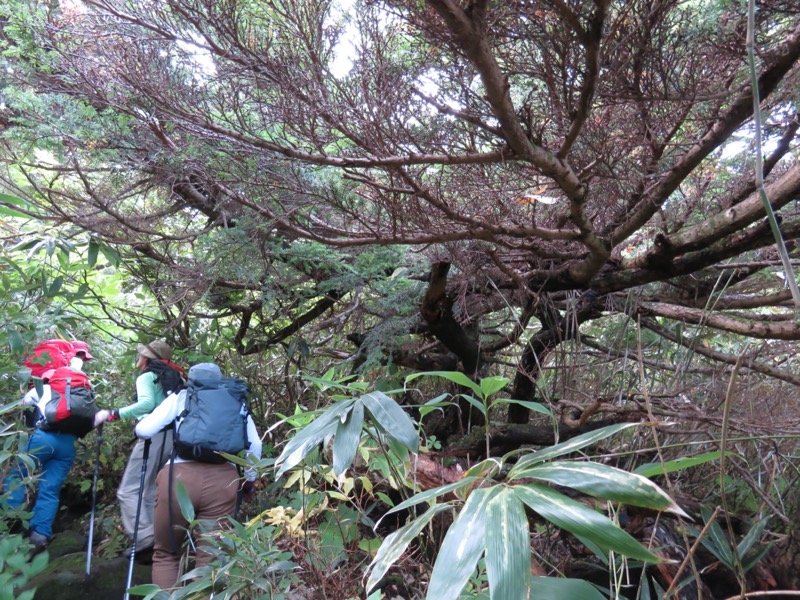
[156,349]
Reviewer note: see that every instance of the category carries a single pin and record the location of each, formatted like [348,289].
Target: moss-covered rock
[65,578]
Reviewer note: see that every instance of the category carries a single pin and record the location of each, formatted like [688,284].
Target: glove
[248,490]
[101,416]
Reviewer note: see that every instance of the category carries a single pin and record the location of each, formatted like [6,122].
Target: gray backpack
[214,420]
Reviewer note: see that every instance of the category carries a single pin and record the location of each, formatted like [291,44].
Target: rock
[65,578]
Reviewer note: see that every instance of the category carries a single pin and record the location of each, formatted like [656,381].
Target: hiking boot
[39,541]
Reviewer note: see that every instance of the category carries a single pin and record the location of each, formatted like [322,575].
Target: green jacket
[148,395]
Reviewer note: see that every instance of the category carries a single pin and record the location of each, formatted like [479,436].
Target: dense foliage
[589,204]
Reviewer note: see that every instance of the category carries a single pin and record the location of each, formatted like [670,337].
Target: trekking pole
[145,454]
[239,493]
[94,500]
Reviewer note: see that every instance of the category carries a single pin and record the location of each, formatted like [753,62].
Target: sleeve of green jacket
[148,396]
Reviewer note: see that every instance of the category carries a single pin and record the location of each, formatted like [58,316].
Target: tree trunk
[555,329]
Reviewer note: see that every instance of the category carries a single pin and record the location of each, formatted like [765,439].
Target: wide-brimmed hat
[205,371]
[79,346]
[157,349]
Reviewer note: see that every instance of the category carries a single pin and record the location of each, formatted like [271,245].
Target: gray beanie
[205,371]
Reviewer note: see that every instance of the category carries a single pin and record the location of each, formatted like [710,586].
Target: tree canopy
[449,184]
[405,219]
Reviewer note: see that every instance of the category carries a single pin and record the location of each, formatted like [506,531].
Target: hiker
[212,486]
[159,377]
[82,354]
[51,446]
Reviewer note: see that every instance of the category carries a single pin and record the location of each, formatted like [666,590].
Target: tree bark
[513,436]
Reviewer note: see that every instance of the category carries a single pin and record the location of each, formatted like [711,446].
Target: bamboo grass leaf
[311,435]
[462,547]
[678,464]
[348,436]
[563,589]
[433,493]
[396,543]
[184,501]
[393,419]
[717,542]
[602,481]
[576,443]
[576,518]
[508,547]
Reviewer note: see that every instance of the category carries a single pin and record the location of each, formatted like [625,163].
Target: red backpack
[72,404]
[50,354]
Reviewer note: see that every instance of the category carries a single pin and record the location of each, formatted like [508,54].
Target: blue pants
[53,454]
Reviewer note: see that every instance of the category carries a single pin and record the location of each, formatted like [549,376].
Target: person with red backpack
[159,377]
[63,406]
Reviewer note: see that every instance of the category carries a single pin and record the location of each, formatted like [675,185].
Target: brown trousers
[212,490]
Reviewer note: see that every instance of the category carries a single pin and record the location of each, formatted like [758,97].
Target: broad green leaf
[150,591]
[55,287]
[476,403]
[433,493]
[63,260]
[576,518]
[534,406]
[15,341]
[25,245]
[396,543]
[112,256]
[434,404]
[462,547]
[10,212]
[94,248]
[678,464]
[572,445]
[508,547]
[34,249]
[438,401]
[311,435]
[393,419]
[555,588]
[454,376]
[385,499]
[38,563]
[184,501]
[602,481]
[491,385]
[15,200]
[397,448]
[348,436]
